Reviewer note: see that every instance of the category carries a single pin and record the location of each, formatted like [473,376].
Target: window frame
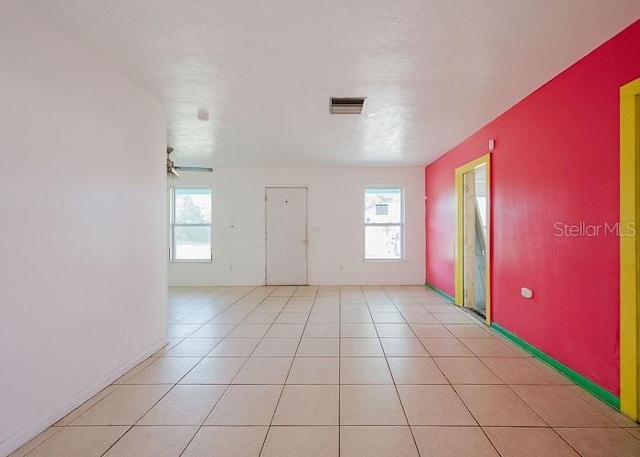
[173,225]
[400,224]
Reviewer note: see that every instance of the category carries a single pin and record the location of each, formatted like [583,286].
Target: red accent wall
[556,161]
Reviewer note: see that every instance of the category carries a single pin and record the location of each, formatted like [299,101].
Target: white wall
[83,271]
[335,211]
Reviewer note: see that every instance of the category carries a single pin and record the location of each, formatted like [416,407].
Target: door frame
[306,230]
[459,254]
[629,248]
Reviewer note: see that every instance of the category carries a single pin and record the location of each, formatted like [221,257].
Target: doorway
[630,249]
[286,236]
[473,240]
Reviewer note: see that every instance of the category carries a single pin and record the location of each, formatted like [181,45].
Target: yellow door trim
[459,275]
[629,249]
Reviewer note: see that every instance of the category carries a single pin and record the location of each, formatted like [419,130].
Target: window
[190,224]
[383,224]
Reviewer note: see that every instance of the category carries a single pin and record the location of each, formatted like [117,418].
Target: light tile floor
[327,371]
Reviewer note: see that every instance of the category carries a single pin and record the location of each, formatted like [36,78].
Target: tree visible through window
[191,224]
[383,224]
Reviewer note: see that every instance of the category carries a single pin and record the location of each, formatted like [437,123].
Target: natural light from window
[383,224]
[191,225]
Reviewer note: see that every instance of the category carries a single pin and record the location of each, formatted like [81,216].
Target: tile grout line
[284,383]
[395,386]
[189,371]
[172,385]
[228,386]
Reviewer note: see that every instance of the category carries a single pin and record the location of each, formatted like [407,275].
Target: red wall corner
[555,164]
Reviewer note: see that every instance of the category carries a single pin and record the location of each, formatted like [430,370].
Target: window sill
[384,260]
[192,261]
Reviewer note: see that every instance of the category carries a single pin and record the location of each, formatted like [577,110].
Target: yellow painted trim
[459,280]
[629,249]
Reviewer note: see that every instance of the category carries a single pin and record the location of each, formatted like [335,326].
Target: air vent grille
[349,105]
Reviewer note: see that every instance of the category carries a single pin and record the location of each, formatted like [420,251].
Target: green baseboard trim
[440,292]
[590,386]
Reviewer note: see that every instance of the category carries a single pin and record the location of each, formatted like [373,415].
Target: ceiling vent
[350,105]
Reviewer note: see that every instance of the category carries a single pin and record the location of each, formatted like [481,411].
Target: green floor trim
[596,390]
[440,292]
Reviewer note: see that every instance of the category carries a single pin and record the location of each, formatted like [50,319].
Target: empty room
[320,229]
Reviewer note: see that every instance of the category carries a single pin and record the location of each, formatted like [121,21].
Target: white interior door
[286,227]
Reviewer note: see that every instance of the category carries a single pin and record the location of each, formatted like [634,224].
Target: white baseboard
[23,436]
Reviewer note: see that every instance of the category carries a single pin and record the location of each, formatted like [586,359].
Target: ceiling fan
[172,169]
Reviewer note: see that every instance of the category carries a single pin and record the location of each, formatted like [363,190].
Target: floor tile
[181,330]
[301,442]
[79,442]
[559,408]
[246,405]
[193,347]
[387,317]
[264,370]
[517,370]
[453,318]
[446,347]
[153,442]
[419,317]
[529,442]
[314,370]
[274,308]
[377,442]
[308,405]
[434,405]
[431,331]
[489,347]
[139,367]
[324,318]
[214,370]
[73,415]
[453,442]
[359,316]
[466,370]
[322,331]
[394,330]
[318,347]
[360,347]
[364,370]
[601,442]
[124,406]
[358,331]
[415,370]
[370,405]
[234,347]
[634,431]
[165,370]
[226,442]
[292,318]
[546,369]
[285,331]
[249,331]
[184,405]
[470,331]
[276,347]
[260,318]
[615,416]
[403,347]
[35,442]
[498,406]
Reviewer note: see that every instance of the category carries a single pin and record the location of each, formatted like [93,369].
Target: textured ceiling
[433,71]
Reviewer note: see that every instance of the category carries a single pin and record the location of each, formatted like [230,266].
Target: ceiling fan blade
[205,169]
